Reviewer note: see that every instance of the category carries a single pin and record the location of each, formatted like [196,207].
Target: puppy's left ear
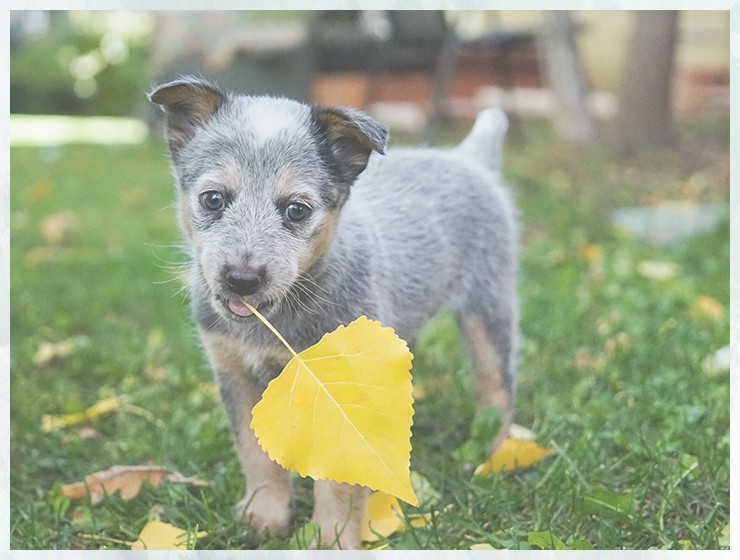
[350,136]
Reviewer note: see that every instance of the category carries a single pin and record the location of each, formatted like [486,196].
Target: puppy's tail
[485,141]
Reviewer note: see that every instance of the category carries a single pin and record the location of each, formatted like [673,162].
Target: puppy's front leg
[266,503]
[339,510]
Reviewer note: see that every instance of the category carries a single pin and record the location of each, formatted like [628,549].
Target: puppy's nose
[245,282]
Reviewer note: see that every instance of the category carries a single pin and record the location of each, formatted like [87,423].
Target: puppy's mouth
[239,310]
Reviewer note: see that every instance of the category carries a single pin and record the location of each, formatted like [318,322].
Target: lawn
[613,374]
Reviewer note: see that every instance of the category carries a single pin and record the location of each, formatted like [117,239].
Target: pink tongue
[237,307]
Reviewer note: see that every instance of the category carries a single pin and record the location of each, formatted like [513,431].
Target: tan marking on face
[286,184]
[183,217]
[230,173]
[321,243]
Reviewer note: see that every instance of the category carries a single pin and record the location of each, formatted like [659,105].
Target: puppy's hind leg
[490,341]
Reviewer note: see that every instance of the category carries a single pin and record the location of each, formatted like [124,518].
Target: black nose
[245,282]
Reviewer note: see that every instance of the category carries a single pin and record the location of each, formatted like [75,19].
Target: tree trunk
[645,111]
[567,80]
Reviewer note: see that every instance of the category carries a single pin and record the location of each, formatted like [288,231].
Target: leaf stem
[269,326]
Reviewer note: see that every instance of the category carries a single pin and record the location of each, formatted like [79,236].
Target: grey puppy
[283,206]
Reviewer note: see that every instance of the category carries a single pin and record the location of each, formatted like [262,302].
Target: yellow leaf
[124,479]
[40,190]
[481,546]
[706,306]
[51,423]
[513,454]
[158,535]
[382,518]
[591,252]
[342,410]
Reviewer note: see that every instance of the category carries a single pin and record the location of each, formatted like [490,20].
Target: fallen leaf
[158,535]
[482,546]
[383,517]
[513,454]
[40,190]
[49,352]
[706,306]
[51,423]
[658,270]
[342,410]
[126,480]
[723,539]
[56,229]
[591,252]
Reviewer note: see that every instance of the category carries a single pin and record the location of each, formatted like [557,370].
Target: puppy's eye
[213,200]
[297,211]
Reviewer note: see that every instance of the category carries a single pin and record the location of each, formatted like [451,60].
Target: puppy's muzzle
[242,284]
[245,282]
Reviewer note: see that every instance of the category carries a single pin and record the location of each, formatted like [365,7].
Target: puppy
[294,209]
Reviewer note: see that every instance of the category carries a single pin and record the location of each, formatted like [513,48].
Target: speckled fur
[395,237]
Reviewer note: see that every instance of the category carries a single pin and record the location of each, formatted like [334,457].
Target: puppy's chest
[240,356]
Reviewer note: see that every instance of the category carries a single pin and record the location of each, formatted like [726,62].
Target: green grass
[610,371]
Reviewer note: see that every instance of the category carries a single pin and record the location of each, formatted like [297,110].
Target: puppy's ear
[188,103]
[349,137]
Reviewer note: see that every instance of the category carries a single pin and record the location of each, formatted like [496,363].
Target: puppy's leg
[266,503]
[490,343]
[339,510]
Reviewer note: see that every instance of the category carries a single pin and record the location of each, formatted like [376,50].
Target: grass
[611,369]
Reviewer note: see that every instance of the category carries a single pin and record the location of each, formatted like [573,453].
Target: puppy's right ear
[188,103]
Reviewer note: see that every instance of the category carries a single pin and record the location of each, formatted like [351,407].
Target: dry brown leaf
[126,480]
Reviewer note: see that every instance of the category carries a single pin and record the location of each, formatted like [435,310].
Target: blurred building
[414,60]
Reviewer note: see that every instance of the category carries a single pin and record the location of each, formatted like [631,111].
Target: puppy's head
[260,184]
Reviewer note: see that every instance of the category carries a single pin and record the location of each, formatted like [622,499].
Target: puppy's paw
[263,512]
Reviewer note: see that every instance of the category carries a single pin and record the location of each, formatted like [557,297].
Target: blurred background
[413,68]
